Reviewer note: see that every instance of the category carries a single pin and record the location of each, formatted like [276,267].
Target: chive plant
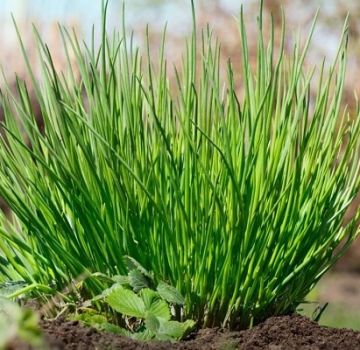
[238,202]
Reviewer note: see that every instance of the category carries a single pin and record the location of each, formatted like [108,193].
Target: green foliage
[145,312]
[237,200]
[149,307]
[170,294]
[16,322]
[17,289]
[11,288]
[92,319]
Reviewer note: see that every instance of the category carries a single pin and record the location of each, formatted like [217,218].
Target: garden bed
[277,333]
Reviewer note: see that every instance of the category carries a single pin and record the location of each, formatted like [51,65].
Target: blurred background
[341,287]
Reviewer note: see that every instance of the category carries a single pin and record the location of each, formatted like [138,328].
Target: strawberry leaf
[126,302]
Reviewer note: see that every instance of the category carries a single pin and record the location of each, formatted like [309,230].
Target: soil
[276,333]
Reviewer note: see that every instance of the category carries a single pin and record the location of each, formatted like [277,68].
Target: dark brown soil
[277,333]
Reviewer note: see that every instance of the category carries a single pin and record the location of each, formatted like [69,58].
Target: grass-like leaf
[236,199]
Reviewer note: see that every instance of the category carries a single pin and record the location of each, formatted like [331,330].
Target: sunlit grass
[237,202]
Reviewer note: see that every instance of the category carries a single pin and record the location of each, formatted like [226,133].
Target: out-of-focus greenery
[340,316]
[340,291]
[16,322]
[335,315]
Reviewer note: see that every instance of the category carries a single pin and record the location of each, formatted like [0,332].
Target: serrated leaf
[148,296]
[112,328]
[126,302]
[170,294]
[159,308]
[174,329]
[11,287]
[106,292]
[152,323]
[91,319]
[143,336]
[137,280]
[121,279]
[132,264]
